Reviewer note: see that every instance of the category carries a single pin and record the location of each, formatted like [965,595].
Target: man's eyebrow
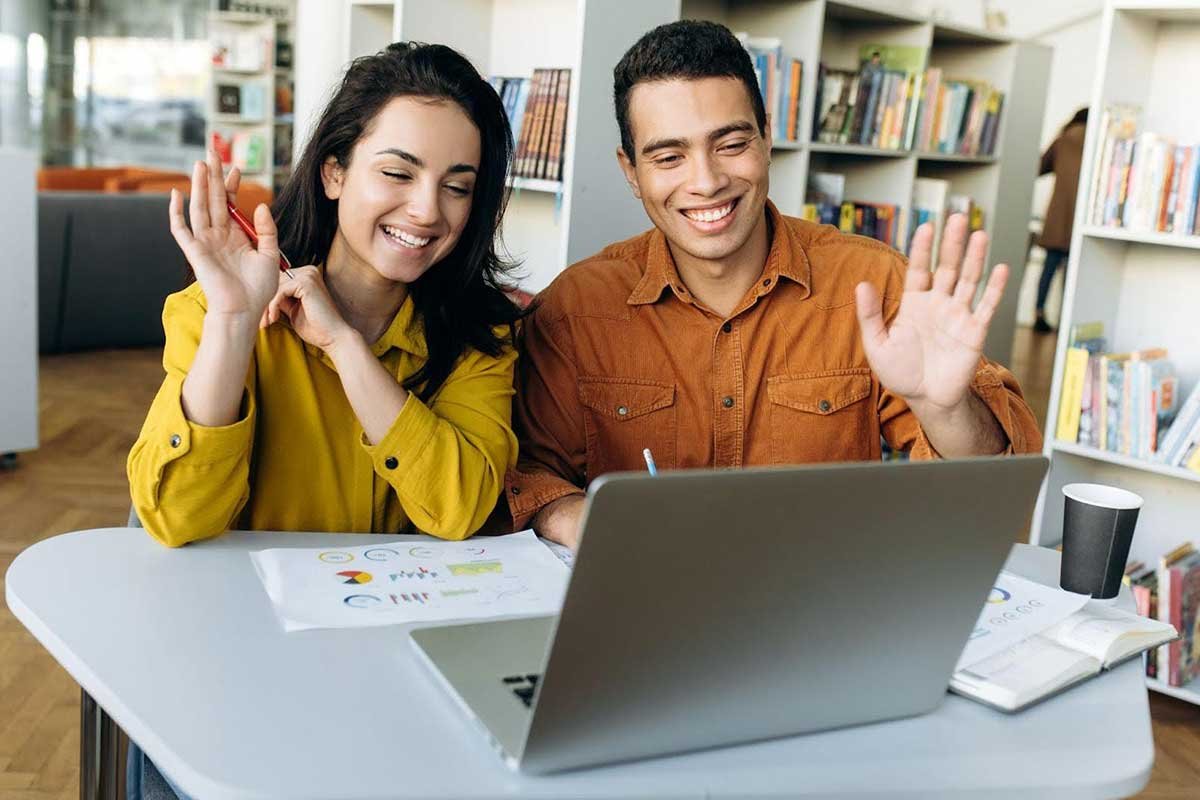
[733,127]
[662,144]
[417,162]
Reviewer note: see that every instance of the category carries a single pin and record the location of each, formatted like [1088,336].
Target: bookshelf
[1142,285]
[831,32]
[243,67]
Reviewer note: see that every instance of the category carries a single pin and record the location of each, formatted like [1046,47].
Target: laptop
[708,608]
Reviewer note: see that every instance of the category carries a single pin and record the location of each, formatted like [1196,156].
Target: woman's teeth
[406,239]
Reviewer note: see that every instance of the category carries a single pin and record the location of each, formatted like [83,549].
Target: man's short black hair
[688,49]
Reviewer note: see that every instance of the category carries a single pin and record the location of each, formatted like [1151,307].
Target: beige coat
[1063,158]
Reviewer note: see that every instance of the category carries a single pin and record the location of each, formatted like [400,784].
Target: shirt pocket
[622,416]
[822,416]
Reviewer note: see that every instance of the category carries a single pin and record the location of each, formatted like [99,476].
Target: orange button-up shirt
[618,356]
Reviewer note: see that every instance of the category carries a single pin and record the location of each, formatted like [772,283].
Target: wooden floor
[92,406]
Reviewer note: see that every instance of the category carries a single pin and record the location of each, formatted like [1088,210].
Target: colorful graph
[355,576]
[380,554]
[421,552]
[412,597]
[999,595]
[476,568]
[362,600]
[335,557]
[420,574]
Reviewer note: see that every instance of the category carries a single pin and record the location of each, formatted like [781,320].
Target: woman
[1063,157]
[372,390]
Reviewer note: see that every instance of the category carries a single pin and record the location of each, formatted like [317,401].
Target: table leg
[102,748]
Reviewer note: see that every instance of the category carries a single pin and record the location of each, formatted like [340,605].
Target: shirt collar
[404,333]
[785,259]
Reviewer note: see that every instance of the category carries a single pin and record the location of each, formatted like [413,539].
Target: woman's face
[405,197]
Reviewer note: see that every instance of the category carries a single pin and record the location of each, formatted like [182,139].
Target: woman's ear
[332,175]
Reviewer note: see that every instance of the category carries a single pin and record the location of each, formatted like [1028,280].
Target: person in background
[1063,157]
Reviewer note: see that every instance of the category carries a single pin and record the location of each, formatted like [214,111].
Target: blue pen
[649,462]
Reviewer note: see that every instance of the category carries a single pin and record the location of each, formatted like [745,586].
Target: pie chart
[354,576]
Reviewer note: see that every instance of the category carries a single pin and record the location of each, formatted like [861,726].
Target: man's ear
[332,176]
[767,133]
[630,172]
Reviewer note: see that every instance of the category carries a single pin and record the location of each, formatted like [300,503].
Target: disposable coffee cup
[1098,523]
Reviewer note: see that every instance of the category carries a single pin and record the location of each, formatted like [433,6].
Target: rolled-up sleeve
[549,418]
[187,481]
[993,384]
[446,460]
[999,391]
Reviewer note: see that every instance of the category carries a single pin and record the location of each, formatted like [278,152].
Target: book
[1187,614]
[1175,568]
[1182,431]
[1094,639]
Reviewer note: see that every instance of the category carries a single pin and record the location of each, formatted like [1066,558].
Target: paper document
[1015,610]
[422,581]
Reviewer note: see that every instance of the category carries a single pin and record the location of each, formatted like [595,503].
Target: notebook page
[1106,633]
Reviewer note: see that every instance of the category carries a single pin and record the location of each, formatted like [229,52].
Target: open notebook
[1091,640]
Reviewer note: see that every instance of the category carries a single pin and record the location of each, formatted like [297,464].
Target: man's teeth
[406,238]
[709,214]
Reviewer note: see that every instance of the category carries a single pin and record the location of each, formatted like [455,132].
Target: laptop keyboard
[523,686]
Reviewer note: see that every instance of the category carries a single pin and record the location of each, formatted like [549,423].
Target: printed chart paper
[423,581]
[1015,610]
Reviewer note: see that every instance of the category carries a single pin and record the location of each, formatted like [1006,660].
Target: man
[730,335]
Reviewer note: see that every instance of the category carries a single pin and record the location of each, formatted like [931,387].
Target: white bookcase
[258,72]
[1144,287]
[549,224]
[831,32]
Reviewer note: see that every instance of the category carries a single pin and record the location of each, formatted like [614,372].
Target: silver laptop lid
[714,607]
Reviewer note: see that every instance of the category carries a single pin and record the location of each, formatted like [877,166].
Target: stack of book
[933,203]
[246,150]
[875,106]
[957,117]
[1144,182]
[825,203]
[537,112]
[245,100]
[779,81]
[1120,402]
[240,50]
[1170,593]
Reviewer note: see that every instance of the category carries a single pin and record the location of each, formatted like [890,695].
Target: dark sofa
[106,263]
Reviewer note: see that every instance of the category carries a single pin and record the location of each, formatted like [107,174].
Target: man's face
[702,166]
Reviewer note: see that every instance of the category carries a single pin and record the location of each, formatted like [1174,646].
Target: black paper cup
[1098,523]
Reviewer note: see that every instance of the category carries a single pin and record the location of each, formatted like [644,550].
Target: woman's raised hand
[238,280]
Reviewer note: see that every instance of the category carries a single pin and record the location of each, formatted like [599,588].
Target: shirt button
[391,463]
[175,440]
[824,405]
[727,402]
[516,490]
[622,411]
[767,282]
[727,327]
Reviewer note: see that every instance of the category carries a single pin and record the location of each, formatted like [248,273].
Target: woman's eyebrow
[417,162]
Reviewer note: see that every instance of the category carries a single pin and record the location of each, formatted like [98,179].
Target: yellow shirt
[297,460]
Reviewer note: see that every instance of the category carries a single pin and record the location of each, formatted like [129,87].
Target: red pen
[247,227]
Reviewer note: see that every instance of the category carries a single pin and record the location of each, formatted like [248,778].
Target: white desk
[181,647]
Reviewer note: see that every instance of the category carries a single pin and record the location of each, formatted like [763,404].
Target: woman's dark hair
[460,300]
[688,49]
